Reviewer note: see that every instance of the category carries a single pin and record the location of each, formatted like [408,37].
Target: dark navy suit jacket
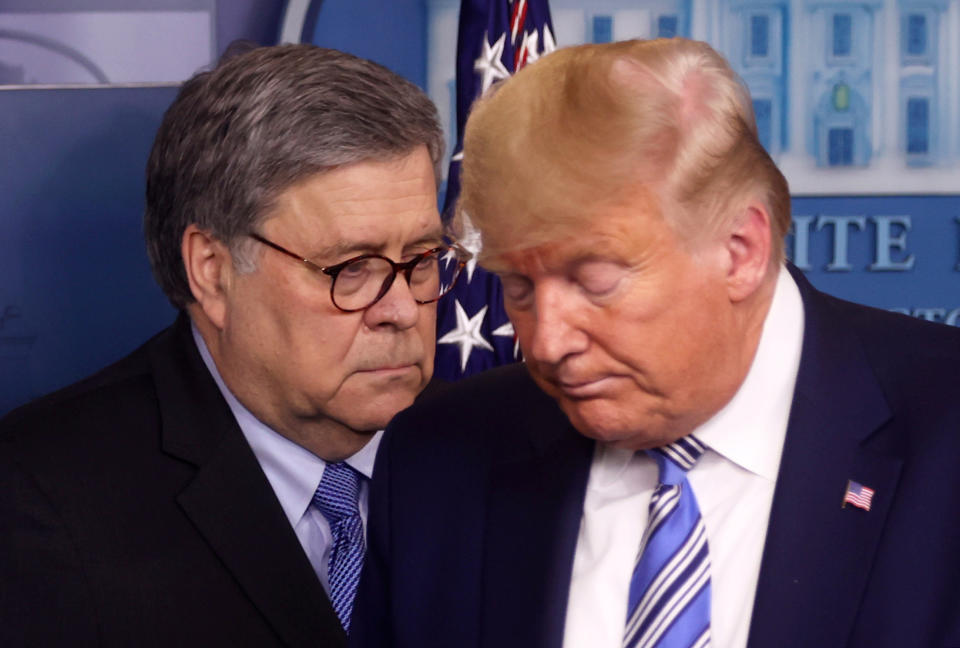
[134,513]
[478,493]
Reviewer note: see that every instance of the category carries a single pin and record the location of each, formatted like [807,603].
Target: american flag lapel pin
[858,495]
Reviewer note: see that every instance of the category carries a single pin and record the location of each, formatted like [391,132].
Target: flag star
[529,44]
[448,257]
[466,334]
[488,64]
[549,44]
[507,330]
[471,240]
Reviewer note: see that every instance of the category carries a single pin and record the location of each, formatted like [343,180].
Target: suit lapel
[240,518]
[535,506]
[231,502]
[818,555]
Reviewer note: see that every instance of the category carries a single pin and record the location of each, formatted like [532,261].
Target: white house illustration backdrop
[851,96]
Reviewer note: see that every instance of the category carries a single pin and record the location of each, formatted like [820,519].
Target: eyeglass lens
[361,282]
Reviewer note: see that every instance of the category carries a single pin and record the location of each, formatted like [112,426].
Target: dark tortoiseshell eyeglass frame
[462,256]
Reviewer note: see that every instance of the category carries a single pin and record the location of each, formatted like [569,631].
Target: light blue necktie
[669,603]
[337,498]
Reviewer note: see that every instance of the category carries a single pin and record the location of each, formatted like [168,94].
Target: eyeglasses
[361,282]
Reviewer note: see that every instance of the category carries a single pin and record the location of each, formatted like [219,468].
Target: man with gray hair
[210,489]
[701,449]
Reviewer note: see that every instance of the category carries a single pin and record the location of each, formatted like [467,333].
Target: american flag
[858,495]
[496,38]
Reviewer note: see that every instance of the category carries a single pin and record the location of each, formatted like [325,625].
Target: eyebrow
[344,249]
[494,267]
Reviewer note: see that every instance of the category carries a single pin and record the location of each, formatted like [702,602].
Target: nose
[556,334]
[396,308]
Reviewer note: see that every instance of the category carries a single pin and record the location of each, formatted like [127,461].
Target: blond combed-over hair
[598,121]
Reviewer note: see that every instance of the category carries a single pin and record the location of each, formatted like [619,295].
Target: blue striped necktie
[337,498]
[669,604]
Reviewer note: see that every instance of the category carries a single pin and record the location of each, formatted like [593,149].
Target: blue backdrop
[76,290]
[896,252]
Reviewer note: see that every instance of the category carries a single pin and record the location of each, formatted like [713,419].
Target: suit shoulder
[504,392]
[495,409]
[900,344]
[900,332]
[915,363]
[117,395]
[897,335]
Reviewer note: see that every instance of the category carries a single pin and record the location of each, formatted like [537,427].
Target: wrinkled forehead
[525,196]
[574,222]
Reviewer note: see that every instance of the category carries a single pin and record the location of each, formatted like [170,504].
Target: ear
[748,245]
[209,268]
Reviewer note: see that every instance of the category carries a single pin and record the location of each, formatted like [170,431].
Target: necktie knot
[676,459]
[338,493]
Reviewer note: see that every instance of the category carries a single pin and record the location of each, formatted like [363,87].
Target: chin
[599,425]
[615,428]
[381,408]
[370,424]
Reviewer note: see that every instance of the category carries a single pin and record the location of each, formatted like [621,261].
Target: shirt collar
[293,471]
[750,430]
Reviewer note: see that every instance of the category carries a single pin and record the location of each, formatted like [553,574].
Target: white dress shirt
[733,483]
[294,473]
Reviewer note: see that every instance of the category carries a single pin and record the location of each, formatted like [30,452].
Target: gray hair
[239,135]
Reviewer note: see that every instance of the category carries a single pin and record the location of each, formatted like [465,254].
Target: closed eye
[599,278]
[517,289]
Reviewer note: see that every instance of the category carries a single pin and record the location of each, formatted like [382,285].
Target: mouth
[391,369]
[579,389]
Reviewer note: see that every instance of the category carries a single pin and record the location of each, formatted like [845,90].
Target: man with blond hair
[701,448]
